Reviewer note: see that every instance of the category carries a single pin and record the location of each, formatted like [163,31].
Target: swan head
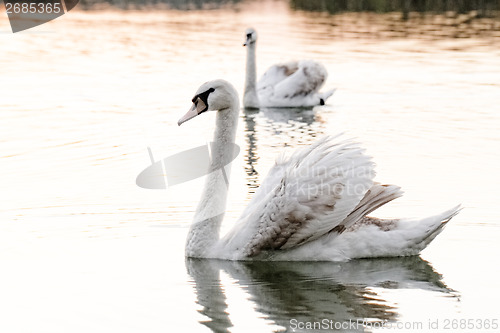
[211,96]
[250,36]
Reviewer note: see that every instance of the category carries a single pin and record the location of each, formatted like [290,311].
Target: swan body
[311,206]
[291,84]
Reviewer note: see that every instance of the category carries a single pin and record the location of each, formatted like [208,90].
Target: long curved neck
[204,232]
[250,99]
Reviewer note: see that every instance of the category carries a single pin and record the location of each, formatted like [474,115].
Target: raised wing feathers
[276,74]
[306,196]
[307,80]
[293,83]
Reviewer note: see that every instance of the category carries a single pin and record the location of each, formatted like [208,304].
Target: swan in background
[311,206]
[292,84]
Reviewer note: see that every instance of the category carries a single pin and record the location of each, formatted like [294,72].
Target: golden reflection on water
[81,102]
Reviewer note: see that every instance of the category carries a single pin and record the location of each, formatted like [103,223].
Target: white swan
[311,206]
[292,84]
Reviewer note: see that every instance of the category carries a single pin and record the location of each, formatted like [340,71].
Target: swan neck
[209,215]
[250,98]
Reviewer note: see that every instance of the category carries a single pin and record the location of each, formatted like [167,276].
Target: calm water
[82,248]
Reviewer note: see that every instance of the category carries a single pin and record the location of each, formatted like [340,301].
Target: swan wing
[305,81]
[305,197]
[276,74]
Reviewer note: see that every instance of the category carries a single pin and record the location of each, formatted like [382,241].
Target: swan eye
[249,35]
[203,97]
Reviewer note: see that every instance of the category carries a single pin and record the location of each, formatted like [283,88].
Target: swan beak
[189,115]
[246,42]
[195,110]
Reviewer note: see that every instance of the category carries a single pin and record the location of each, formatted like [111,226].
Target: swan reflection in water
[310,291]
[276,128]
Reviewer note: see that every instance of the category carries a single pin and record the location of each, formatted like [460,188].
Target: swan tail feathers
[325,95]
[449,214]
[371,237]
[435,224]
